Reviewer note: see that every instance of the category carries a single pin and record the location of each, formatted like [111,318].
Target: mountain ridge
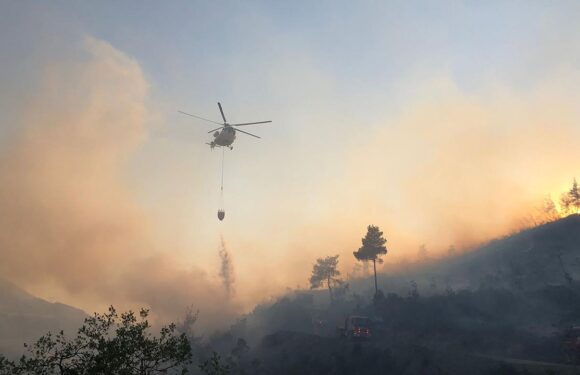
[24,318]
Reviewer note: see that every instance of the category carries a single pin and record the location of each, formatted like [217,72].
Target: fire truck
[356,327]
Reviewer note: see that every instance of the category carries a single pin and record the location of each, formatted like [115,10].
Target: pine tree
[325,272]
[570,200]
[373,247]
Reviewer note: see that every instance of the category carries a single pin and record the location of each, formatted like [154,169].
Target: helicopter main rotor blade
[238,130]
[222,112]
[211,131]
[201,118]
[251,123]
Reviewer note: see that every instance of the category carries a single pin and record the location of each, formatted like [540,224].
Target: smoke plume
[447,167]
[457,168]
[70,226]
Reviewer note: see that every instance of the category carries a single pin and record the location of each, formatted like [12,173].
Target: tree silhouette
[214,366]
[324,272]
[423,253]
[106,344]
[549,210]
[373,247]
[570,201]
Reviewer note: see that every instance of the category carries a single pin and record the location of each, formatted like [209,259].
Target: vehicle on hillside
[356,327]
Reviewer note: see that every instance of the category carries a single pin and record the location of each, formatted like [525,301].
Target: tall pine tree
[373,247]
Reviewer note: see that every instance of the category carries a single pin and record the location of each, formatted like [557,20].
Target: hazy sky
[441,122]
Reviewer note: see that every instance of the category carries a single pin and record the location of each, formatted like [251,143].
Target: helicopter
[225,135]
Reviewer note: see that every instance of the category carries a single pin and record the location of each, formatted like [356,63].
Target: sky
[445,123]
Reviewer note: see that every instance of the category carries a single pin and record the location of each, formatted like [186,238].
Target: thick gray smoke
[71,228]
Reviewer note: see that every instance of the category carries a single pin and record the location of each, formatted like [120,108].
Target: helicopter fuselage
[225,135]
[224,138]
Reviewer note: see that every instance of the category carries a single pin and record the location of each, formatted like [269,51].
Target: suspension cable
[223,156]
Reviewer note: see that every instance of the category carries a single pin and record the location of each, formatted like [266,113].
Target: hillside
[532,259]
[24,318]
[512,299]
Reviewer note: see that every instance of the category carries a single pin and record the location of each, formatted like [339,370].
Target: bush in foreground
[107,343]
